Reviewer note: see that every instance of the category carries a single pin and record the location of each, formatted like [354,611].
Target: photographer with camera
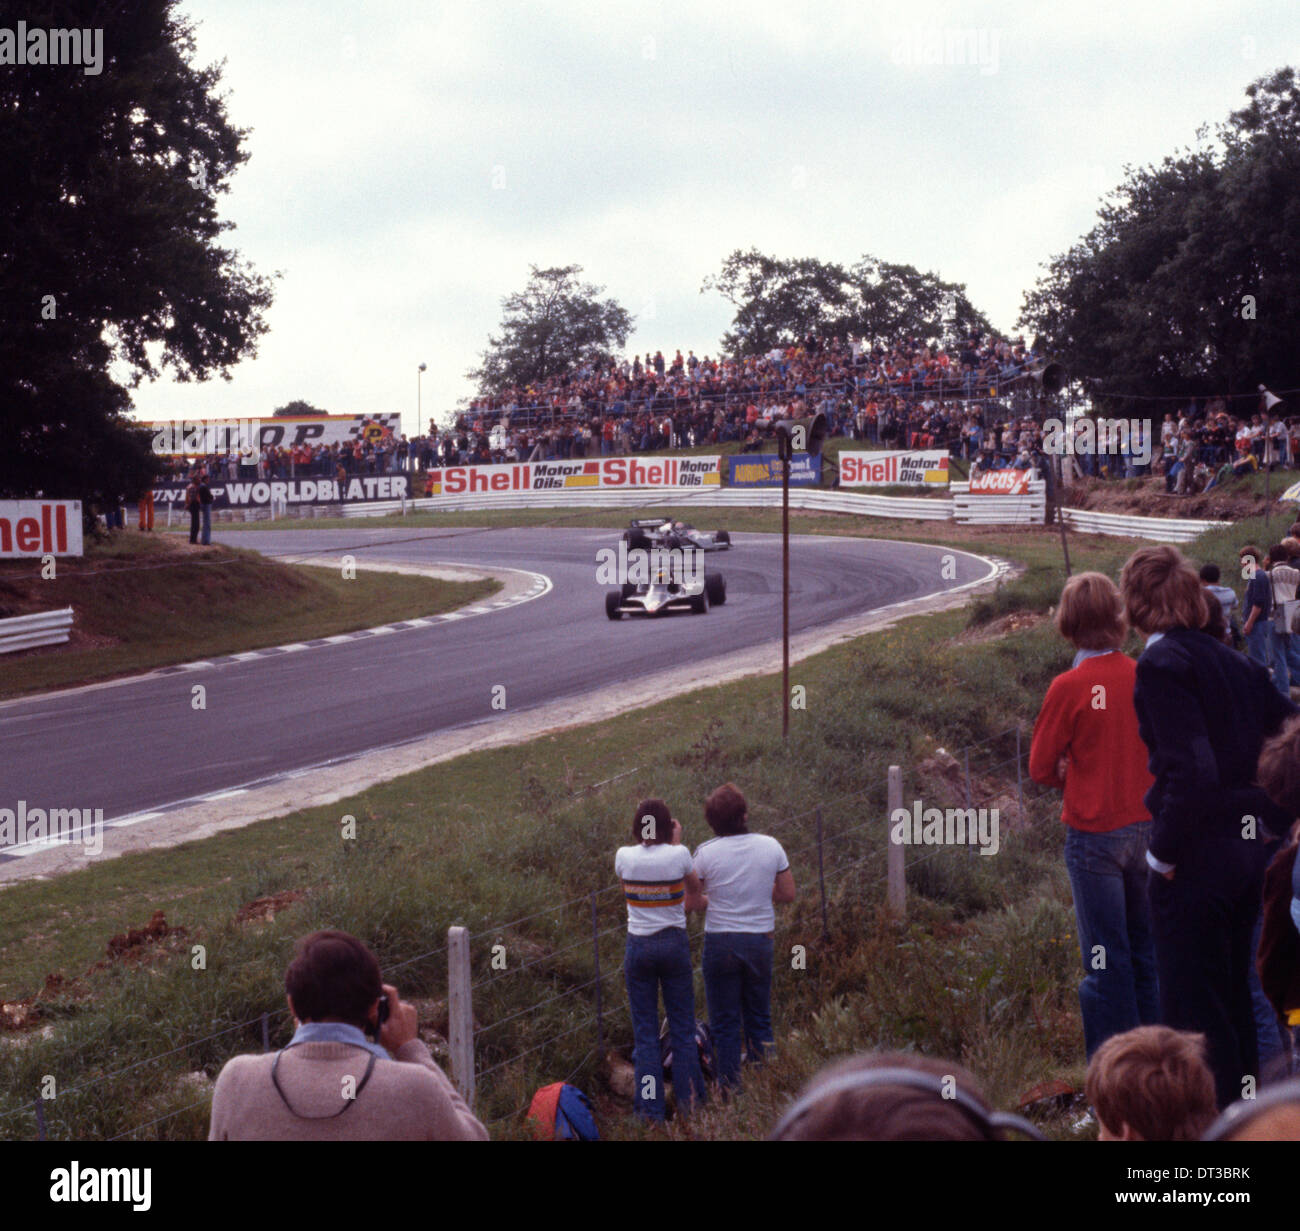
[332,1082]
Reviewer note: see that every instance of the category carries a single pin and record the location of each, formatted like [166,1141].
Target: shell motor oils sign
[40,528]
[910,466]
[579,473]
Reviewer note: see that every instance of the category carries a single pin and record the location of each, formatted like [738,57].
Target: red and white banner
[1001,483]
[911,466]
[40,528]
[582,473]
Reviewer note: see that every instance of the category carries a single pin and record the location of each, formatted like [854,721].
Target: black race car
[661,532]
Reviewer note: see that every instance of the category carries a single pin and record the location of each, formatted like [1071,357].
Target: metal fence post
[40,1119]
[266,1032]
[460,1013]
[897,894]
[595,952]
[821,877]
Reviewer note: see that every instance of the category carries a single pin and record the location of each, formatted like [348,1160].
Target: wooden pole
[897,895]
[786,452]
[460,1013]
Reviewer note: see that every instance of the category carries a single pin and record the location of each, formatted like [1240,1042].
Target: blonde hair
[1091,614]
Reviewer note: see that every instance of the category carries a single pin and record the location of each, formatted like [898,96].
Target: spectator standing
[192,506]
[1204,713]
[743,875]
[1086,742]
[660,886]
[205,510]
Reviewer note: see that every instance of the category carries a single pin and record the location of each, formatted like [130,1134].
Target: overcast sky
[411,160]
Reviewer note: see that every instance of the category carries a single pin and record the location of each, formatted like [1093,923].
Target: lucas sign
[40,528]
[914,466]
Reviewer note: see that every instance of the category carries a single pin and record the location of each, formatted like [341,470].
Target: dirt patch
[941,782]
[1003,626]
[1148,498]
[263,910]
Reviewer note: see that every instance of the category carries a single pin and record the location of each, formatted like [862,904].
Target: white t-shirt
[654,885]
[738,872]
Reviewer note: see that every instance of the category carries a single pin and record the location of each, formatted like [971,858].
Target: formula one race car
[656,532]
[677,582]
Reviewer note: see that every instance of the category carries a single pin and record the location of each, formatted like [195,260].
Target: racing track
[138,745]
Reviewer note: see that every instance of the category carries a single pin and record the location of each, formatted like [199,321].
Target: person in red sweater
[1086,742]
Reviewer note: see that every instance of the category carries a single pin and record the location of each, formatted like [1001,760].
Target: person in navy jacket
[1204,712]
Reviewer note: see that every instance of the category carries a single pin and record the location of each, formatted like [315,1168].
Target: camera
[383,1014]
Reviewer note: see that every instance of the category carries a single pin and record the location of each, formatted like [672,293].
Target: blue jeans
[1268,1034]
[1257,643]
[1276,647]
[1108,877]
[649,962]
[738,987]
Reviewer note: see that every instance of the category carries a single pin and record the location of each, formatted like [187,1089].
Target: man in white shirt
[743,875]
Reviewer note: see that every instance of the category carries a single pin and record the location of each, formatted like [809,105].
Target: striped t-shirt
[654,885]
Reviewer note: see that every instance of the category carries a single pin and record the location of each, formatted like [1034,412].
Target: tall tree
[110,266]
[555,324]
[780,301]
[296,409]
[1189,284]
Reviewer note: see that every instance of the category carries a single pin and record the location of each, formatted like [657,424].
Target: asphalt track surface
[139,745]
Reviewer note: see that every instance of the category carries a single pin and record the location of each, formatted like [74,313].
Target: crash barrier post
[897,892]
[460,1013]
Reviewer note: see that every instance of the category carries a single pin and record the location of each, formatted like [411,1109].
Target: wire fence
[837,846]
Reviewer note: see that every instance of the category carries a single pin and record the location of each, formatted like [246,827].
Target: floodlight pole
[785,452]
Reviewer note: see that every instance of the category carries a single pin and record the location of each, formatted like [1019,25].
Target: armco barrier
[39,628]
[981,510]
[1165,529]
[914,508]
[1027,510]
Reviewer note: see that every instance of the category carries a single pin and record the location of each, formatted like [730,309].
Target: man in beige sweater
[332,1083]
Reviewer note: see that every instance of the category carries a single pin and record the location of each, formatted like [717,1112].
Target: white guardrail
[961,506]
[39,628]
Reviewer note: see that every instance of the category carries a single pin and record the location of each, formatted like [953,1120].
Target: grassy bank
[512,843]
[144,601]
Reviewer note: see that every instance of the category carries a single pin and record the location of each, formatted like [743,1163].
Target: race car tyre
[715,586]
[723,537]
[700,602]
[636,539]
[629,589]
[613,601]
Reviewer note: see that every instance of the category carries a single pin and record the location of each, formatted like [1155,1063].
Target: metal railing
[39,628]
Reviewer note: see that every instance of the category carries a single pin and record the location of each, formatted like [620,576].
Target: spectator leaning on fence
[1204,712]
[743,874]
[1086,742]
[332,1083]
[660,886]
